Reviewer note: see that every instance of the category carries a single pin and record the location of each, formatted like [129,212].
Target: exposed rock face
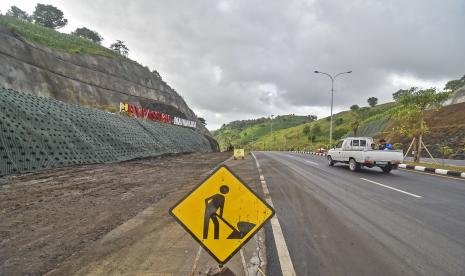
[85,79]
[457,97]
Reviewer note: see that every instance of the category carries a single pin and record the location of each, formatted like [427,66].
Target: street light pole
[332,97]
[271,130]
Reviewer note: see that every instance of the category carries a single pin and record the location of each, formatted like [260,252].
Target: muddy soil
[47,217]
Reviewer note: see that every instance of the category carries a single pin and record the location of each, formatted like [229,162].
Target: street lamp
[271,130]
[332,96]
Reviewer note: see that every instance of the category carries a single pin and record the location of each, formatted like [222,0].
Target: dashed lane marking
[313,163]
[389,187]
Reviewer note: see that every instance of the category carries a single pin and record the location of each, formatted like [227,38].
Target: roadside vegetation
[410,114]
[413,113]
[247,132]
[41,28]
[298,132]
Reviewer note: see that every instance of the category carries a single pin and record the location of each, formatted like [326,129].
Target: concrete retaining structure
[38,133]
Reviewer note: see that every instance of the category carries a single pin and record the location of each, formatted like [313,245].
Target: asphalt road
[336,222]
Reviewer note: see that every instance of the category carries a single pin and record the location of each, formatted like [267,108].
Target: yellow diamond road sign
[222,213]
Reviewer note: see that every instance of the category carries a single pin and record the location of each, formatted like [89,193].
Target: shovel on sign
[243,226]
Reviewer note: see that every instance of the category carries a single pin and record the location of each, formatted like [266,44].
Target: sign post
[222,214]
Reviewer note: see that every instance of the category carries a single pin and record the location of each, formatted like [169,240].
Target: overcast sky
[244,59]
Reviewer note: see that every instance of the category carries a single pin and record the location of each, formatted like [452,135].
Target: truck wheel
[387,169]
[330,161]
[353,165]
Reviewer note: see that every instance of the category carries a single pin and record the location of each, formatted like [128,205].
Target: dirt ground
[153,243]
[47,218]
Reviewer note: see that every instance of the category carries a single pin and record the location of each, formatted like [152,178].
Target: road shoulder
[152,243]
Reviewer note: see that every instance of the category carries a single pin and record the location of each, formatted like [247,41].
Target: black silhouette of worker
[214,204]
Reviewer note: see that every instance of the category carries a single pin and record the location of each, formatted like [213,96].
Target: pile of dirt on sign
[40,133]
[50,216]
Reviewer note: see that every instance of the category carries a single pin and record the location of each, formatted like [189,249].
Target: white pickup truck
[357,152]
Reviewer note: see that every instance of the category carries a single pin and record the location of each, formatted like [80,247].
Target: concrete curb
[432,170]
[408,167]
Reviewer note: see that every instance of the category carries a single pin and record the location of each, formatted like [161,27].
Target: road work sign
[239,153]
[222,213]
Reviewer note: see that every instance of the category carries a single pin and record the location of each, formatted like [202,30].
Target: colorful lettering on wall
[183,122]
[140,112]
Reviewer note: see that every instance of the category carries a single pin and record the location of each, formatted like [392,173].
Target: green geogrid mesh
[39,133]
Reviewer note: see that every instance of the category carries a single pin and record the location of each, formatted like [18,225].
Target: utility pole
[271,131]
[332,96]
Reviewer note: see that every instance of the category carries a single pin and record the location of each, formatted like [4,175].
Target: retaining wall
[38,133]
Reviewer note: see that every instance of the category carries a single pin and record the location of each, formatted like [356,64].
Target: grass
[294,137]
[288,131]
[437,166]
[243,133]
[54,39]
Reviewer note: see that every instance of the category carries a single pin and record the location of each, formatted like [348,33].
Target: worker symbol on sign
[214,207]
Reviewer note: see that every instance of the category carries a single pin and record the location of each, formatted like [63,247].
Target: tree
[88,34]
[312,118]
[372,101]
[49,16]
[446,151]
[354,107]
[316,129]
[202,121]
[306,130]
[396,96]
[356,120]
[338,133]
[120,48]
[411,113]
[455,84]
[339,121]
[18,13]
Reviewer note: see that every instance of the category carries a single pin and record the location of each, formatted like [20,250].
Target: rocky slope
[85,79]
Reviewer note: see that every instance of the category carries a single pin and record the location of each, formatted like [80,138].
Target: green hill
[247,132]
[300,132]
[54,39]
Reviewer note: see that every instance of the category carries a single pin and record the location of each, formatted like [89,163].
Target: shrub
[88,34]
[306,130]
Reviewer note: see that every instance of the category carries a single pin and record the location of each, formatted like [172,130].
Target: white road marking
[313,163]
[308,161]
[196,260]
[244,264]
[287,268]
[392,188]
